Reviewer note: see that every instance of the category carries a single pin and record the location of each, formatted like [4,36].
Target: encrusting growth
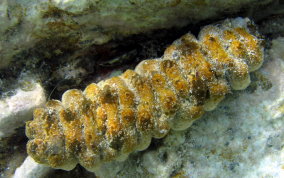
[109,120]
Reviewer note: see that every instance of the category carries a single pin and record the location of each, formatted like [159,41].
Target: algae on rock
[57,27]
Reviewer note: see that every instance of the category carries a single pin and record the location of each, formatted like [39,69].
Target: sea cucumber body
[115,117]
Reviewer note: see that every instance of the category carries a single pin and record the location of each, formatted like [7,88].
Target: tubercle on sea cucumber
[113,118]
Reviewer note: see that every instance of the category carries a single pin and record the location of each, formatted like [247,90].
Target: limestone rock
[59,26]
[18,109]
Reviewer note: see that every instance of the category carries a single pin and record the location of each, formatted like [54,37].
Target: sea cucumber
[115,117]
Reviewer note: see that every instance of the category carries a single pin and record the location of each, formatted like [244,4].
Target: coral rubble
[111,119]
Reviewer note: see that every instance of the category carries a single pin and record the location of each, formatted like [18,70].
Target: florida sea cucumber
[115,117]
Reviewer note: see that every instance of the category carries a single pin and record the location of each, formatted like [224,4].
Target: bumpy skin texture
[111,119]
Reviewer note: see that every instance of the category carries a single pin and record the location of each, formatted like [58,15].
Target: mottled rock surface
[18,109]
[57,27]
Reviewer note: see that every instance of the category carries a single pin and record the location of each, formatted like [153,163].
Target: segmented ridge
[111,119]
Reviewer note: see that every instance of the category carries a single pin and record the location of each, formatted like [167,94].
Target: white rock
[25,22]
[160,163]
[31,169]
[277,50]
[17,109]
